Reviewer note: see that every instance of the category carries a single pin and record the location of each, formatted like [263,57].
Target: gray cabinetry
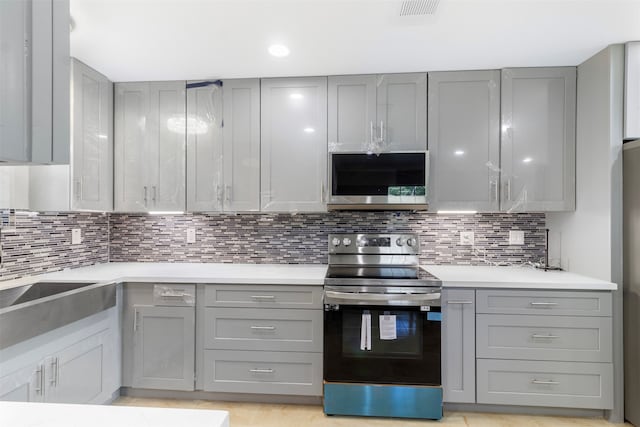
[294,144]
[260,339]
[632,91]
[464,138]
[544,348]
[538,139]
[92,139]
[458,345]
[150,133]
[25,384]
[34,81]
[223,145]
[158,336]
[386,112]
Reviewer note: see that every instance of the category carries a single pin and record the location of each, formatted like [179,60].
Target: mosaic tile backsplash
[42,243]
[302,238]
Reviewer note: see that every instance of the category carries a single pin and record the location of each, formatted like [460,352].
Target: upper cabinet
[464,140]
[538,139]
[149,146]
[632,91]
[378,113]
[34,81]
[92,139]
[223,145]
[294,144]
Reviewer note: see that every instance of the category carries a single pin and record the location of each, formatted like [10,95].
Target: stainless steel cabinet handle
[38,387]
[459,302]
[77,189]
[263,296]
[509,189]
[52,374]
[261,371]
[322,197]
[227,193]
[135,320]
[57,371]
[381,131]
[219,192]
[145,195]
[264,328]
[544,336]
[546,382]
[154,194]
[543,304]
[170,294]
[371,132]
[494,189]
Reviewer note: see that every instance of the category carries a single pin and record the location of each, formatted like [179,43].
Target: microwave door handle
[364,298]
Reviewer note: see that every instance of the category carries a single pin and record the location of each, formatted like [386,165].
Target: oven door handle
[354,298]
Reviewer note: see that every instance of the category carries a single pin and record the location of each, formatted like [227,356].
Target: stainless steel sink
[31,310]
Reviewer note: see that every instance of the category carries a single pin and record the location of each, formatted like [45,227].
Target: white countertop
[279,274]
[25,414]
[525,277]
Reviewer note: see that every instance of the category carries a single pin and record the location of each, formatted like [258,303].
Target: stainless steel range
[382,323]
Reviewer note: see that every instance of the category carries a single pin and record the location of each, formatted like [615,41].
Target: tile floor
[277,415]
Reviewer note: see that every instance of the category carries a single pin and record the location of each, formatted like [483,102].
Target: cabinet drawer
[557,303]
[263,296]
[580,339]
[263,329]
[559,384]
[174,295]
[263,372]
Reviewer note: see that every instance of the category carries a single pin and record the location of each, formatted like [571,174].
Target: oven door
[382,344]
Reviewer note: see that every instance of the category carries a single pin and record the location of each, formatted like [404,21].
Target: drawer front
[174,295]
[268,296]
[263,372]
[558,384]
[263,329]
[580,339]
[555,303]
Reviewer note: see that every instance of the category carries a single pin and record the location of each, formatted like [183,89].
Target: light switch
[76,236]
[191,235]
[516,237]
[467,238]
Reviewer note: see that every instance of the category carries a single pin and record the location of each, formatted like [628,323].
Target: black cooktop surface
[376,272]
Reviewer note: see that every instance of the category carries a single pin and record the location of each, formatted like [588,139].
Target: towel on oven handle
[365,331]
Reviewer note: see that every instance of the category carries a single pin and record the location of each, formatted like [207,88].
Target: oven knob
[400,241]
[411,242]
[346,241]
[335,241]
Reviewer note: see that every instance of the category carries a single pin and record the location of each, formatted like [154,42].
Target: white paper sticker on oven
[388,327]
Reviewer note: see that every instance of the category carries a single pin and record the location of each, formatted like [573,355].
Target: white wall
[591,237]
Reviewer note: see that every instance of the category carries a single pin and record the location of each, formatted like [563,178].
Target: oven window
[411,356]
[378,175]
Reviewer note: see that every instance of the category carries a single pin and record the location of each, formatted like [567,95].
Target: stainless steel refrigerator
[631,233]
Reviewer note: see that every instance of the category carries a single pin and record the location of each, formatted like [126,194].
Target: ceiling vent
[418,7]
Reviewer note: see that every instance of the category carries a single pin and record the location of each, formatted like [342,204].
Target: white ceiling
[192,39]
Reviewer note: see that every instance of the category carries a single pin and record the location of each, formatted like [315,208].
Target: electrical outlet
[516,237]
[467,238]
[191,235]
[76,236]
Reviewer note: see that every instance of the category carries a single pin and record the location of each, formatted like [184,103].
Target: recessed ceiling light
[296,95]
[309,130]
[279,50]
[458,152]
[527,160]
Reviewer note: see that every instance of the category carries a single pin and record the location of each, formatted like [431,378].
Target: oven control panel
[354,243]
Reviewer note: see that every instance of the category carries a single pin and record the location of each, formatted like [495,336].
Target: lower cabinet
[260,339]
[79,366]
[458,345]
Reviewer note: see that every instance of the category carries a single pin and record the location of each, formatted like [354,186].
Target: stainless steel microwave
[387,181]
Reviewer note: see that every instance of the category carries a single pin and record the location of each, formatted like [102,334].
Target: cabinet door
[131,189]
[166,145]
[402,111]
[241,145]
[294,144]
[41,81]
[75,374]
[458,345]
[352,112]
[92,162]
[14,187]
[464,140]
[204,147]
[632,91]
[15,100]
[61,72]
[164,347]
[538,139]
[23,385]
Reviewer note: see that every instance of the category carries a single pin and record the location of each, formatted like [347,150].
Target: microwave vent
[418,7]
